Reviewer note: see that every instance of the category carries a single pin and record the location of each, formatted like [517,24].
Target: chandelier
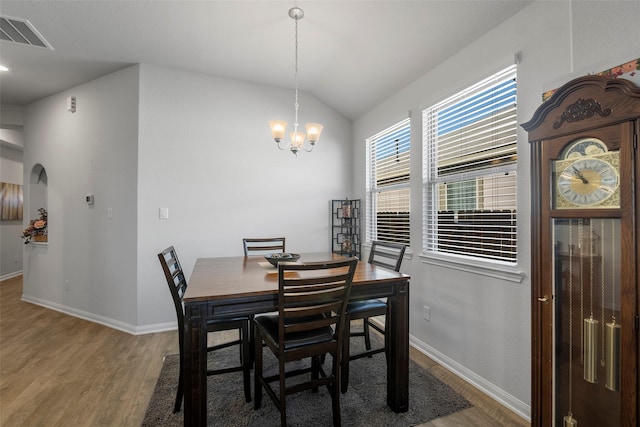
[278,127]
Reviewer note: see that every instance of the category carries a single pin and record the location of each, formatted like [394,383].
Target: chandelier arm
[286,147]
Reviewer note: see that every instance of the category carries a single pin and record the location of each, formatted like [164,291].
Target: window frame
[432,179]
[374,189]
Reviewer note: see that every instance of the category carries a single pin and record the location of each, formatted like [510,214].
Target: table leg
[398,357]
[195,369]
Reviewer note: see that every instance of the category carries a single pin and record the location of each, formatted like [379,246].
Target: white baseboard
[105,321]
[10,275]
[509,401]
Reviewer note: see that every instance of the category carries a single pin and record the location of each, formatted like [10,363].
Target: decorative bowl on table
[274,259]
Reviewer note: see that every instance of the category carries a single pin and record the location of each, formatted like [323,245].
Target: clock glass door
[587,321]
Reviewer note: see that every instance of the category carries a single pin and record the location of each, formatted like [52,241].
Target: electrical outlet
[426,313]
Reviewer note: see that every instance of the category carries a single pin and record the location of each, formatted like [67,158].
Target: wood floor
[58,370]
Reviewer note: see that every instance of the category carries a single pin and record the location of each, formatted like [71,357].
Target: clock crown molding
[582,109]
[587,89]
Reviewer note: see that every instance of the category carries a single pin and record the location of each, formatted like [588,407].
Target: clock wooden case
[584,266]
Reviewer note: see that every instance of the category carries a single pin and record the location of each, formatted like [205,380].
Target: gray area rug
[364,404]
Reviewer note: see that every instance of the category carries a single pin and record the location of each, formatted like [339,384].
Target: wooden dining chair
[178,286]
[263,246]
[383,254]
[311,302]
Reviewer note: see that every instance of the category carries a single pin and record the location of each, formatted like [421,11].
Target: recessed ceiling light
[4,68]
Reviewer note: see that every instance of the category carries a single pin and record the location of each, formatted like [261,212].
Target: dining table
[222,287]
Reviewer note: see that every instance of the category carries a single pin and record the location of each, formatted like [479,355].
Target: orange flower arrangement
[36,227]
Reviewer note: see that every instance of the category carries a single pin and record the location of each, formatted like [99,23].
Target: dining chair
[383,254]
[263,246]
[311,304]
[178,286]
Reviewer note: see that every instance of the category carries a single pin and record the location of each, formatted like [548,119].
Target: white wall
[480,323]
[205,152]
[89,266]
[148,137]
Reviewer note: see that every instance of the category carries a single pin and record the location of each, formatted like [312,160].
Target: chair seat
[269,324]
[356,307]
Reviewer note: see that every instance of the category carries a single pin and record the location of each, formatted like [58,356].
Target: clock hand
[579,175]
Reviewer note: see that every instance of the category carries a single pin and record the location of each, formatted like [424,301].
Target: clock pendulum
[568,420]
[612,330]
[590,343]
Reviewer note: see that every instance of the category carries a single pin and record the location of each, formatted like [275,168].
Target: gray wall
[479,323]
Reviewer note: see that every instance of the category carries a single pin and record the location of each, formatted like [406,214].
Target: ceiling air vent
[21,31]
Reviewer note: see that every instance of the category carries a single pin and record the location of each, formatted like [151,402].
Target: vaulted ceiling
[352,54]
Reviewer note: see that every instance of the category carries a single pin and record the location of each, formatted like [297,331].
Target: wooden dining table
[223,287]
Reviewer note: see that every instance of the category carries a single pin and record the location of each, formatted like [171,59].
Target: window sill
[505,272]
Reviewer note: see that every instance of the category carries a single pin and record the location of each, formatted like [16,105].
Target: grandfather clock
[584,270]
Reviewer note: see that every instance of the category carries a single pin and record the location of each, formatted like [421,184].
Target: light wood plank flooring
[58,370]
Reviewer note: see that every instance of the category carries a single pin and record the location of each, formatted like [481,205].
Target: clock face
[587,176]
[587,181]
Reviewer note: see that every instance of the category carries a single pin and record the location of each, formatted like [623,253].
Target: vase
[40,238]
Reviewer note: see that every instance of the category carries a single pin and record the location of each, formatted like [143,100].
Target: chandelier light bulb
[313,131]
[278,128]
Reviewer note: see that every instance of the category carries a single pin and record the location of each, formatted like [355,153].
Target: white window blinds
[388,164]
[469,168]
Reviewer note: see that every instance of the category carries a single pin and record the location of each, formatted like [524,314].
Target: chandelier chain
[295,122]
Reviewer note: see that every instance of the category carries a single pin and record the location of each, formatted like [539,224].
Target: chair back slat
[177,283]
[263,246]
[387,255]
[303,298]
[314,297]
[313,324]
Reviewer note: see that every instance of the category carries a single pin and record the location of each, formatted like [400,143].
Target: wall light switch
[109,213]
[164,213]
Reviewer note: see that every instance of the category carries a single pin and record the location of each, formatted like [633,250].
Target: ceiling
[352,54]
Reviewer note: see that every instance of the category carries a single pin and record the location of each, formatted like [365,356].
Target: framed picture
[10,202]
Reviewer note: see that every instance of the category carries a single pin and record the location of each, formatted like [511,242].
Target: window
[469,170]
[388,155]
